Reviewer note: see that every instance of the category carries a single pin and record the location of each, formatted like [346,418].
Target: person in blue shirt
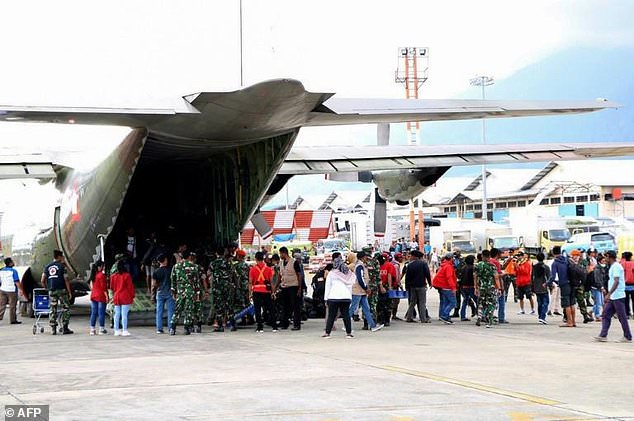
[9,287]
[614,301]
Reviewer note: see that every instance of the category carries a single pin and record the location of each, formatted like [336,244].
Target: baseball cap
[575,253]
[241,253]
[361,254]
[611,253]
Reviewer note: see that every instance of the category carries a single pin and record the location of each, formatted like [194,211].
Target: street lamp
[483,81]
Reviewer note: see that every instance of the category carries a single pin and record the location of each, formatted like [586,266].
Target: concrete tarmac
[409,371]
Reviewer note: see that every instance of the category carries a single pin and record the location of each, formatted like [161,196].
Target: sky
[151,53]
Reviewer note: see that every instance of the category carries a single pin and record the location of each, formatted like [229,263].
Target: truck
[500,237]
[471,235]
[459,240]
[540,233]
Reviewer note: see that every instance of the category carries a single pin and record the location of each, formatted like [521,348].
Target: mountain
[579,73]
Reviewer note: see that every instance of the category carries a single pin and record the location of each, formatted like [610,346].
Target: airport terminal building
[593,188]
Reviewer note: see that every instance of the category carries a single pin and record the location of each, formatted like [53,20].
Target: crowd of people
[271,292]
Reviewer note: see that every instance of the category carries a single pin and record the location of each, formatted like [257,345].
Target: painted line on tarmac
[475,386]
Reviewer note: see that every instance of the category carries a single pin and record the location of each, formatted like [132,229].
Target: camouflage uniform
[185,282]
[59,298]
[223,289]
[374,270]
[488,294]
[241,299]
[212,307]
[580,292]
[199,296]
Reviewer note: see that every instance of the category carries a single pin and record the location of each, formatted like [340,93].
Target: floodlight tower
[483,81]
[411,70]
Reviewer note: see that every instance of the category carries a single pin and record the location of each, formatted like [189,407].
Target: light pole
[483,81]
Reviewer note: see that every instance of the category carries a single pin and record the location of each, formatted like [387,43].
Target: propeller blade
[380,214]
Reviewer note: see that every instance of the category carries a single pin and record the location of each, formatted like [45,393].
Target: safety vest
[288,274]
[259,284]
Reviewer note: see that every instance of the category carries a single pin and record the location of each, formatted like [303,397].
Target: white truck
[540,233]
[449,240]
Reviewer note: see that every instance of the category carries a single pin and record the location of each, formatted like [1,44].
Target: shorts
[567,296]
[524,292]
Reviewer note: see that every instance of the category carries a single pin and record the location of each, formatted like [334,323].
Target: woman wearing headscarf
[338,295]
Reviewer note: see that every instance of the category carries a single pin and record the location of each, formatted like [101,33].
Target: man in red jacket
[446,283]
[523,271]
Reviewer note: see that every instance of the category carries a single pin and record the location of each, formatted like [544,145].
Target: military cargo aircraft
[209,164]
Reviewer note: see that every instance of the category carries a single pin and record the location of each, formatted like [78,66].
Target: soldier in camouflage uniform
[577,273]
[486,281]
[241,299]
[201,293]
[374,270]
[223,290]
[55,280]
[185,287]
[217,255]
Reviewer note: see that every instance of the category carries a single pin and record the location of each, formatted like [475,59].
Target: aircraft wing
[275,106]
[34,165]
[333,159]
[337,111]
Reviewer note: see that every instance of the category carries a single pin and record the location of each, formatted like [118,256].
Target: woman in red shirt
[122,297]
[98,297]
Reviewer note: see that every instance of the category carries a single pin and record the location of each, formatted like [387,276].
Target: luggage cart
[41,307]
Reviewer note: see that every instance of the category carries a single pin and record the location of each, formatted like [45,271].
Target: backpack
[576,275]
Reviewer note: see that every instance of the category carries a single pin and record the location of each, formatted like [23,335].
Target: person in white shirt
[9,287]
[614,301]
[338,295]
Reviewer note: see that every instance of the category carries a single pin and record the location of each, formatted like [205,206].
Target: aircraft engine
[401,186]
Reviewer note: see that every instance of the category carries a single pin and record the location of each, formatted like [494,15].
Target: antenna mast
[413,63]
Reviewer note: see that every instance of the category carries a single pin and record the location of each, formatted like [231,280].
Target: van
[602,241]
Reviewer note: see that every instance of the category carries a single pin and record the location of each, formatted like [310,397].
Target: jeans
[97,309]
[597,297]
[121,314]
[501,307]
[262,301]
[618,307]
[542,305]
[365,307]
[447,303]
[333,310]
[468,294]
[160,302]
